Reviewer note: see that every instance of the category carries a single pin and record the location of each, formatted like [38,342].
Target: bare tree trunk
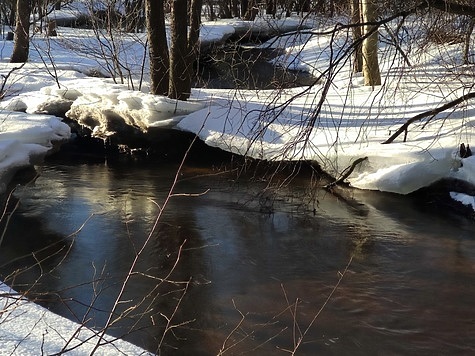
[235,8]
[304,6]
[270,8]
[178,51]
[158,46]
[357,36]
[194,32]
[371,73]
[8,9]
[21,47]
[225,9]
[51,31]
[193,41]
[252,11]
[212,15]
[466,51]
[244,7]
[184,47]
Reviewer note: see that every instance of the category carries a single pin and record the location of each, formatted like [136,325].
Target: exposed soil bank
[171,146]
[437,197]
[163,145]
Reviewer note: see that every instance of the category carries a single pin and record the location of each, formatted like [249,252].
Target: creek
[259,268]
[236,66]
[236,269]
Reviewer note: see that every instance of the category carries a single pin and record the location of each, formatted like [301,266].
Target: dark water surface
[257,280]
[241,67]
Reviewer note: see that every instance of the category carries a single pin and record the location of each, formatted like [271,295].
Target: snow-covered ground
[28,329]
[351,123]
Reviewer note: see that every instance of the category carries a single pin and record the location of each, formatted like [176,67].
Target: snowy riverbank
[352,123]
[28,329]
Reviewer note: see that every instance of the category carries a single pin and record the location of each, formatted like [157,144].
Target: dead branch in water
[346,173]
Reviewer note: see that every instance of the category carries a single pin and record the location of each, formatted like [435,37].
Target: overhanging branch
[432,113]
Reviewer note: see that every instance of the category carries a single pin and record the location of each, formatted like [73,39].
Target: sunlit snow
[28,329]
[465,199]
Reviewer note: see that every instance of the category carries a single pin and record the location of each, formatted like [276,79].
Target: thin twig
[327,300]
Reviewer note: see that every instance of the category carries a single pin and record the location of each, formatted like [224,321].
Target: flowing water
[255,275]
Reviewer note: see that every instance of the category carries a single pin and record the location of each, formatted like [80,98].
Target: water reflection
[256,280]
[238,67]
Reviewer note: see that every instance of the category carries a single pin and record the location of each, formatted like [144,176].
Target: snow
[352,122]
[25,139]
[29,329]
[465,199]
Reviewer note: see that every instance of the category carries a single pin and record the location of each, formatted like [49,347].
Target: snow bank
[24,139]
[105,108]
[29,329]
[259,130]
[102,106]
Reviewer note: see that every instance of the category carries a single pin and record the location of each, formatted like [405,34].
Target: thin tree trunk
[194,32]
[193,44]
[12,16]
[244,7]
[235,8]
[468,36]
[371,73]
[212,15]
[158,46]
[357,35]
[270,8]
[21,48]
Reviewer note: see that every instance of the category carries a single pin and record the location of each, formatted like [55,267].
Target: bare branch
[346,172]
[431,113]
[5,79]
